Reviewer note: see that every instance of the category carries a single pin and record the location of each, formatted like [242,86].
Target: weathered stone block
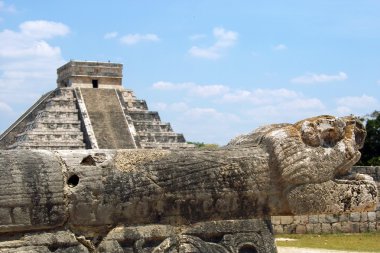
[363,217]
[344,217]
[310,228]
[317,228]
[355,227]
[21,215]
[313,219]
[371,226]
[363,227]
[371,216]
[346,227]
[276,220]
[103,214]
[301,229]
[336,227]
[301,219]
[378,226]
[378,214]
[331,218]
[290,228]
[313,228]
[112,246]
[326,228]
[5,216]
[278,229]
[355,217]
[321,218]
[285,220]
[83,212]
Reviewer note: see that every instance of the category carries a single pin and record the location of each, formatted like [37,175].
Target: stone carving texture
[184,200]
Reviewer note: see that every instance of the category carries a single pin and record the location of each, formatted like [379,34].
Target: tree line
[371,149]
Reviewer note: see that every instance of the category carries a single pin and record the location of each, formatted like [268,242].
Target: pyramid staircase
[107,118]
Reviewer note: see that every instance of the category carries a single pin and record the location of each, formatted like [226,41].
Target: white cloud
[110,35]
[280,47]
[277,98]
[205,124]
[131,39]
[304,104]
[289,111]
[358,105]
[28,42]
[224,39]
[192,88]
[343,110]
[175,107]
[162,85]
[232,111]
[268,106]
[260,96]
[202,112]
[42,29]
[319,78]
[28,64]
[206,53]
[197,36]
[19,47]
[363,101]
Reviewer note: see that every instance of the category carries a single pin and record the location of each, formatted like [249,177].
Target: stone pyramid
[90,109]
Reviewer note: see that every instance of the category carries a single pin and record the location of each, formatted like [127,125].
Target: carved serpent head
[316,149]
[314,158]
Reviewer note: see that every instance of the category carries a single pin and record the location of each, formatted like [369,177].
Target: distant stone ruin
[90,109]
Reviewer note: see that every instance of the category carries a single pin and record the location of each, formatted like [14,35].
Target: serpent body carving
[282,169]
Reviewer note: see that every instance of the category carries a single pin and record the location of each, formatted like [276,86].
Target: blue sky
[213,69]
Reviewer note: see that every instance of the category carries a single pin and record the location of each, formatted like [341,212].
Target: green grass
[354,242]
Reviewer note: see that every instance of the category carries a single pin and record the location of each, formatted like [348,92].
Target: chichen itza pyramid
[90,109]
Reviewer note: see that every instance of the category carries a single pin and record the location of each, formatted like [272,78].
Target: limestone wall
[344,223]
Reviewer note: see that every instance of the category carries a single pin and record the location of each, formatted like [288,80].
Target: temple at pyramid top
[85,74]
[90,109]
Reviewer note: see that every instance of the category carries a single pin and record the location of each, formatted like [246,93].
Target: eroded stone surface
[181,200]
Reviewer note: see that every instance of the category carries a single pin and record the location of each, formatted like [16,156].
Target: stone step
[50,145]
[136,105]
[46,121]
[64,92]
[152,145]
[146,126]
[50,136]
[61,99]
[39,131]
[57,106]
[55,125]
[168,137]
[144,116]
[57,114]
